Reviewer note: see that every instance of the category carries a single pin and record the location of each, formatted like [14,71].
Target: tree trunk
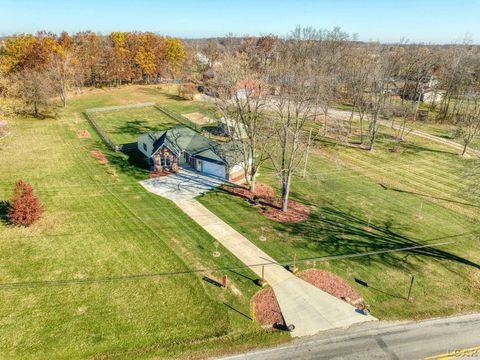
[326,123]
[285,192]
[361,129]
[352,114]
[465,146]
[252,184]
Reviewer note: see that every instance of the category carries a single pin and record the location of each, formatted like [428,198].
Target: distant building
[411,90]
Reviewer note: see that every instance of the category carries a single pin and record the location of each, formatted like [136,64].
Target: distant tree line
[34,69]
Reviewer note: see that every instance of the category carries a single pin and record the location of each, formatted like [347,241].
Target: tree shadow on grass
[410,148]
[137,127]
[174,97]
[429,196]
[3,212]
[338,232]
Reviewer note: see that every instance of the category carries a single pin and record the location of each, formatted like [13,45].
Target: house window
[145,147]
[166,161]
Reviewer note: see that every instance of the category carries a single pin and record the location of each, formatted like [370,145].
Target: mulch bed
[156,174]
[267,310]
[99,156]
[83,134]
[271,206]
[296,212]
[262,192]
[332,284]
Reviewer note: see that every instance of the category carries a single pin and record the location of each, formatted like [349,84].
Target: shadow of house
[131,162]
[337,232]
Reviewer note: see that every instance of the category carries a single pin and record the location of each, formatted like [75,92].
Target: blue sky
[439,21]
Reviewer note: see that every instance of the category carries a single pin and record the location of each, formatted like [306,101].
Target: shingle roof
[181,138]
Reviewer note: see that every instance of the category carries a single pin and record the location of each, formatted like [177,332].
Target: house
[426,91]
[181,146]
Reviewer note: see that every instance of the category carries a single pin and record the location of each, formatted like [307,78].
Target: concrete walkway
[302,304]
[186,184]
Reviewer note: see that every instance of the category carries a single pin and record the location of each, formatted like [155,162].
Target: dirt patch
[83,134]
[269,205]
[156,174]
[198,118]
[332,284]
[99,156]
[267,310]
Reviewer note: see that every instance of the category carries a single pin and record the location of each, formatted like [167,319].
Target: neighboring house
[427,91]
[180,146]
[234,129]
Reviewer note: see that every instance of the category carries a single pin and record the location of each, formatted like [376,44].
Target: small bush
[25,208]
[187,91]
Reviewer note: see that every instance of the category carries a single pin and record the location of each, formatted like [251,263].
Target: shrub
[25,208]
[187,91]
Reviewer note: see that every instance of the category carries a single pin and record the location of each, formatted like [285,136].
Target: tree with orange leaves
[25,208]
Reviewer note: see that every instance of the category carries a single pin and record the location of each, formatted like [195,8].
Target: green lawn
[94,276]
[108,269]
[422,202]
[446,131]
[124,126]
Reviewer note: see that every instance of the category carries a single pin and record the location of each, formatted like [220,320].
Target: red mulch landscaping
[262,192]
[83,134]
[267,310]
[332,284]
[156,174]
[271,206]
[99,156]
[296,212]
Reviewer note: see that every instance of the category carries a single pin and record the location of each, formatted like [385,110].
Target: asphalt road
[455,337]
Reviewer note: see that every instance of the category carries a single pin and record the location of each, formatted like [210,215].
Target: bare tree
[295,105]
[382,62]
[34,90]
[241,98]
[62,74]
[467,118]
[355,77]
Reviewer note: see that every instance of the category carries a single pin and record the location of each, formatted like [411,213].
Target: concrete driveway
[308,308]
[184,185]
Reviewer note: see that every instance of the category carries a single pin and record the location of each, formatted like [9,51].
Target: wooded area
[35,69]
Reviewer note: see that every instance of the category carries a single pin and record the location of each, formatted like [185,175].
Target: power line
[135,277]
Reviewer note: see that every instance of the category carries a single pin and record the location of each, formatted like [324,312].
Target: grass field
[124,126]
[446,131]
[363,202]
[94,276]
[108,269]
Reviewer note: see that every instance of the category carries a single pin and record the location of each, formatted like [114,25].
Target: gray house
[181,146]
